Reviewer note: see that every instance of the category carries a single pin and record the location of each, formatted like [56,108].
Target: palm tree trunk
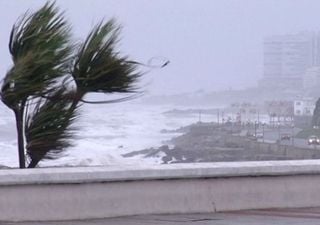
[20,135]
[33,163]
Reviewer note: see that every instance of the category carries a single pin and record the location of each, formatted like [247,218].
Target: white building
[304,107]
[287,58]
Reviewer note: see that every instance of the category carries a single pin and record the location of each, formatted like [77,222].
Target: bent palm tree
[39,45]
[36,88]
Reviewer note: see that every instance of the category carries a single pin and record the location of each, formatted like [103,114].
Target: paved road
[272,135]
[303,216]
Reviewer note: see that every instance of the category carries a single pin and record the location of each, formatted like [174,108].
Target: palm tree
[50,77]
[40,50]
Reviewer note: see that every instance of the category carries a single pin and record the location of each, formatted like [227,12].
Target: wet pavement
[299,216]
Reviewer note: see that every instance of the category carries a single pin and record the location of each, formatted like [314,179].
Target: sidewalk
[302,216]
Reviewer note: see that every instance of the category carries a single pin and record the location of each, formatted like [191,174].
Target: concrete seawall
[99,192]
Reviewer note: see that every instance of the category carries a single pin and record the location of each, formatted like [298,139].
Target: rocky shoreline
[208,142]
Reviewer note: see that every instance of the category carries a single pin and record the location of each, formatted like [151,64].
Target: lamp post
[255,129]
[263,132]
[279,136]
[292,134]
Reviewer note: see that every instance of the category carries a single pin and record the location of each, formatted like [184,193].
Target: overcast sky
[212,44]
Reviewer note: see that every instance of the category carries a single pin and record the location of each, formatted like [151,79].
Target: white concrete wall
[98,192]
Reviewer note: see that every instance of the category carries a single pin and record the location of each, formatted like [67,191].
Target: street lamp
[279,133]
[255,129]
[263,132]
[292,130]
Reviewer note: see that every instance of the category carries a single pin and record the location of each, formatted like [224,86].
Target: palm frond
[99,68]
[39,45]
[48,128]
[46,29]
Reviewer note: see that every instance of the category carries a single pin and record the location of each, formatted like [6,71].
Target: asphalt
[272,135]
[300,216]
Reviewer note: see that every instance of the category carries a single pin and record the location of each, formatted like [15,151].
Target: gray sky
[212,44]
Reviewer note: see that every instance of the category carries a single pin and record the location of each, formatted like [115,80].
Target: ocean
[106,132]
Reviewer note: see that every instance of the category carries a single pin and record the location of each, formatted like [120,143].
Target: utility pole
[279,136]
[263,132]
[292,134]
[255,129]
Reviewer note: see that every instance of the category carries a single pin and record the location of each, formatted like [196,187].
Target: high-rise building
[311,79]
[287,58]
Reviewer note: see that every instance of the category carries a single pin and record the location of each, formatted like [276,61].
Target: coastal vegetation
[51,75]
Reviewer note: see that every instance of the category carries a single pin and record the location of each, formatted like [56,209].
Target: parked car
[285,137]
[251,136]
[313,140]
[259,135]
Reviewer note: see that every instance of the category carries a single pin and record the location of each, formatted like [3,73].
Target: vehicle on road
[313,140]
[285,136]
[259,135]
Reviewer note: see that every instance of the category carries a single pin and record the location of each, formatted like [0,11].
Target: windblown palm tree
[37,87]
[40,49]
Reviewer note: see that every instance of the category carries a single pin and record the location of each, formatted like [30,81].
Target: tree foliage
[316,115]
[50,77]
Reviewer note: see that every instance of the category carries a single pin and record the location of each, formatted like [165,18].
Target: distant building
[304,107]
[279,108]
[245,112]
[311,78]
[287,58]
[279,112]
